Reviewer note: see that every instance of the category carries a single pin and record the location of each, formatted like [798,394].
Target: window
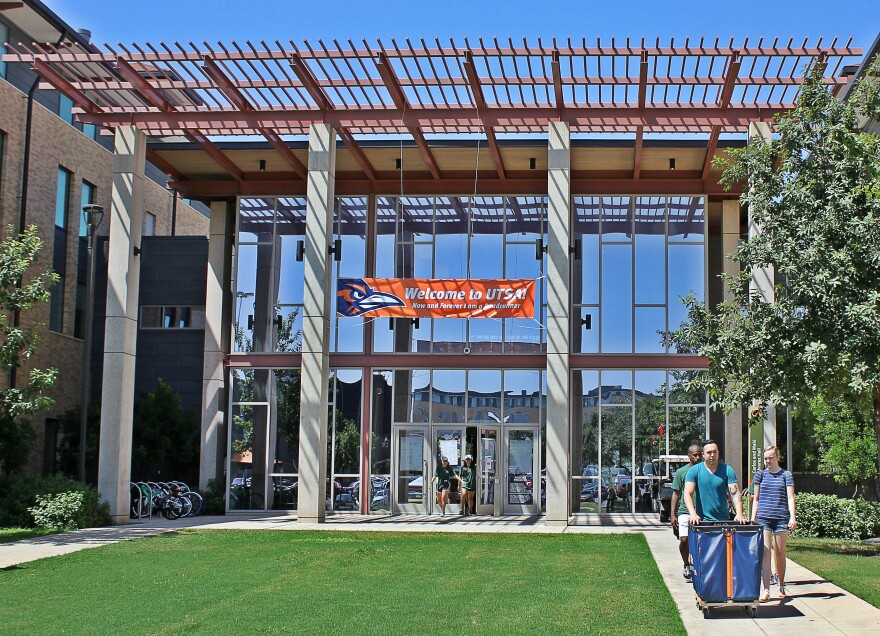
[62,198]
[90,131]
[65,108]
[4,36]
[88,196]
[149,224]
[56,306]
[176,317]
[79,314]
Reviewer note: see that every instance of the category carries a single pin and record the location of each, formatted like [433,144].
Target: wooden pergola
[419,88]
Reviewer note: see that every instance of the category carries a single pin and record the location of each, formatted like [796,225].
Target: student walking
[680,517]
[707,486]
[775,510]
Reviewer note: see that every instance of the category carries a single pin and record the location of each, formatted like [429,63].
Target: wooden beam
[63,86]
[723,101]
[358,153]
[151,94]
[230,90]
[310,83]
[480,102]
[307,79]
[392,84]
[637,159]
[284,152]
[643,79]
[6,6]
[215,153]
[557,80]
[154,158]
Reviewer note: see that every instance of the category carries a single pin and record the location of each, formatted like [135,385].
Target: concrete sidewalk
[815,606]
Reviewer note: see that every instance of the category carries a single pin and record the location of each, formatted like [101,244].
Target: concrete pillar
[218,320]
[733,431]
[558,321]
[763,278]
[120,339]
[316,324]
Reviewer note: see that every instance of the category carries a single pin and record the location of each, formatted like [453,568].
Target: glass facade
[634,259]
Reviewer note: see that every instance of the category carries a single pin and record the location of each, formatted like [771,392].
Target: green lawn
[296,582]
[16,534]
[853,566]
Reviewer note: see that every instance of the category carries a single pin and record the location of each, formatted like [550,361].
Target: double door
[506,460]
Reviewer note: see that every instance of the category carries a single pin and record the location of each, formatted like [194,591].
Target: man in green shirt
[444,475]
[680,517]
[468,486]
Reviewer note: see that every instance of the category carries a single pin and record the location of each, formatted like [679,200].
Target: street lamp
[93,214]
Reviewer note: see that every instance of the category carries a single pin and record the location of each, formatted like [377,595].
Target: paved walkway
[815,607]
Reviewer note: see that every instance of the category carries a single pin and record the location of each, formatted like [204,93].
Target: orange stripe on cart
[729,564]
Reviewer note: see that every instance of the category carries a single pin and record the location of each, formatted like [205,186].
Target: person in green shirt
[468,486]
[680,518]
[444,475]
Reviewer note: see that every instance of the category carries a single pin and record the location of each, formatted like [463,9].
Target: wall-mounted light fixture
[397,164]
[672,163]
[262,165]
[532,163]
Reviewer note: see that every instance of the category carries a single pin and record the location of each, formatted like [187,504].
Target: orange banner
[435,298]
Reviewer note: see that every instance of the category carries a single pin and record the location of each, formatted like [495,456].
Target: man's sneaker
[688,573]
[774,579]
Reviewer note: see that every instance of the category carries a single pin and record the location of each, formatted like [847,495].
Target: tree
[813,191]
[20,292]
[844,431]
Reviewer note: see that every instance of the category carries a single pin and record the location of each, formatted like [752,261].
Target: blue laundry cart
[727,565]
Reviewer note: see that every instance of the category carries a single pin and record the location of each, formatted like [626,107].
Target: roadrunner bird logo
[355,298]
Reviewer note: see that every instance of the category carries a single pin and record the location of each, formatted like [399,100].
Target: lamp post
[93,214]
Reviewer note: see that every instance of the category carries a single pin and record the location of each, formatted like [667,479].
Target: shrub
[64,511]
[19,492]
[214,498]
[836,518]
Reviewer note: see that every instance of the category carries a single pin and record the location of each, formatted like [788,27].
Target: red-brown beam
[643,79]
[6,6]
[150,93]
[154,158]
[63,86]
[480,102]
[723,103]
[637,157]
[399,98]
[215,153]
[307,79]
[557,81]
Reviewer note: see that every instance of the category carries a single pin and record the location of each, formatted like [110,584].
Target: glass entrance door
[523,488]
[488,481]
[449,442]
[410,471]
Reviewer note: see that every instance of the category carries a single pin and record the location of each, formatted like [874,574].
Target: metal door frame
[523,509]
[408,508]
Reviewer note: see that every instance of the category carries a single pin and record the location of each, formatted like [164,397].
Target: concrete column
[120,339]
[218,320]
[316,324]
[733,432]
[763,278]
[558,321]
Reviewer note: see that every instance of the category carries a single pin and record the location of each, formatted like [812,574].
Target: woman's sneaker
[688,572]
[774,579]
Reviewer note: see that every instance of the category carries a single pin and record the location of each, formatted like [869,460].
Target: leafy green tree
[812,191]
[844,430]
[20,292]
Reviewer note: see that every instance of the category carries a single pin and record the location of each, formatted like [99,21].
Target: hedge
[836,518]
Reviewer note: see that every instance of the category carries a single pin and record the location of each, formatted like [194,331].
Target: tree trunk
[875,394]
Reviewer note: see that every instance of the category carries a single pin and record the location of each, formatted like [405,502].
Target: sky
[125,21]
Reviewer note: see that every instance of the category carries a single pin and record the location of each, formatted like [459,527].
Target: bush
[836,518]
[214,498]
[64,511]
[18,493]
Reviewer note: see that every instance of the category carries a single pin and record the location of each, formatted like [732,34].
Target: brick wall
[55,143]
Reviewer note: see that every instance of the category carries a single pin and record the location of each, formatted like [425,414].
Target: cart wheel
[753,611]
[705,612]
